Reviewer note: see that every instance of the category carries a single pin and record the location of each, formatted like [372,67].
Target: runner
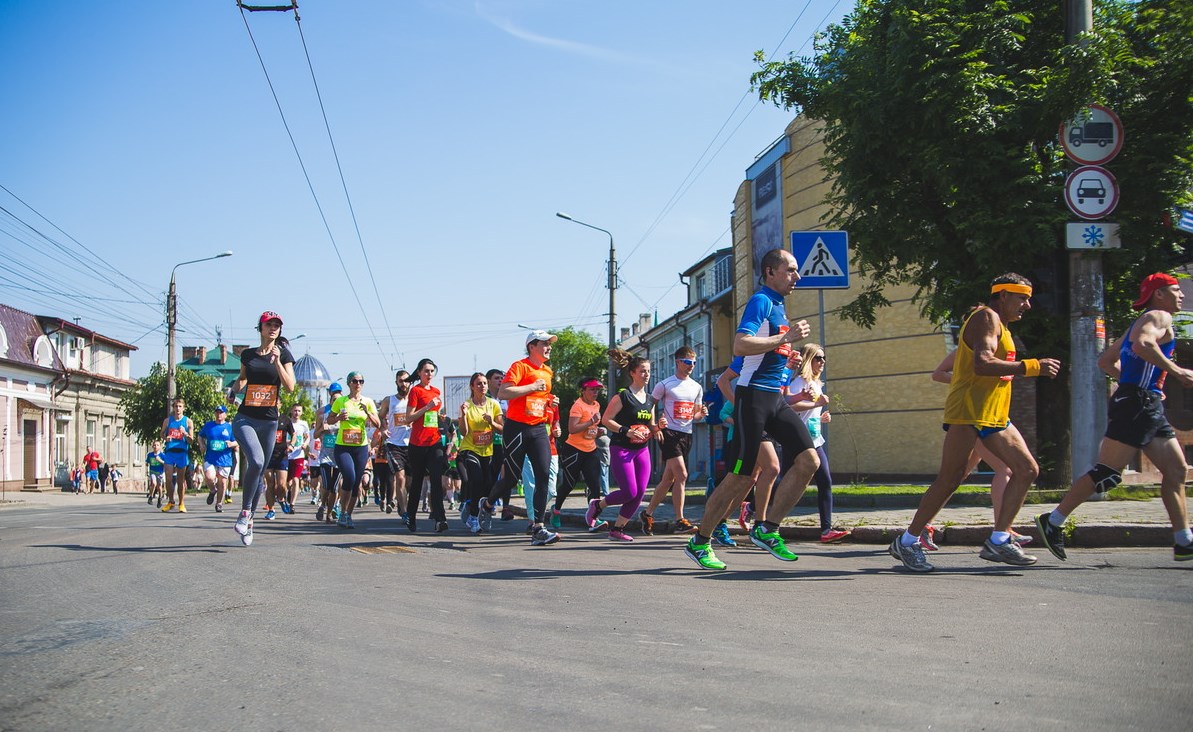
[329,509]
[263,371]
[630,419]
[354,414]
[155,462]
[764,341]
[426,452]
[681,399]
[527,387]
[176,431]
[978,408]
[805,394]
[766,467]
[218,444]
[579,455]
[480,423]
[277,481]
[451,450]
[296,460]
[1140,360]
[494,377]
[528,483]
[383,479]
[396,432]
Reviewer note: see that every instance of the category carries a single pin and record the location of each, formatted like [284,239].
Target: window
[61,459]
[118,446]
[702,286]
[106,450]
[90,434]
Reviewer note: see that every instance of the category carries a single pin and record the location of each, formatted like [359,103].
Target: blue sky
[147,132]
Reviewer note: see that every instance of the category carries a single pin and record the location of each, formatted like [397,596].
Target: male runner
[296,463]
[978,408]
[682,401]
[1140,360]
[395,430]
[177,432]
[155,461]
[218,443]
[764,341]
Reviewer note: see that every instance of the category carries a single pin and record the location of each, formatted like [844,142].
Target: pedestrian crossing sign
[823,259]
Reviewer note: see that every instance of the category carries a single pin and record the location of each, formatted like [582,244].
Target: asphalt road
[118,617]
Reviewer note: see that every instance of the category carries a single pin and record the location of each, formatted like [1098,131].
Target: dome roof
[310,371]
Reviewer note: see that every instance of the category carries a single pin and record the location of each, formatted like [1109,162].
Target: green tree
[145,405]
[940,122]
[575,355]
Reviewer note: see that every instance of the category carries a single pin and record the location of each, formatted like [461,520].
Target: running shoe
[149,498]
[1022,539]
[247,537]
[210,497]
[832,535]
[377,501]
[772,542]
[349,523]
[182,508]
[243,522]
[228,498]
[1182,552]
[474,526]
[911,556]
[542,537]
[389,507]
[507,514]
[314,500]
[928,538]
[556,518]
[683,526]
[412,524]
[219,508]
[441,527]
[342,521]
[647,523]
[702,554]
[721,537]
[745,516]
[594,509]
[286,507]
[531,528]
[319,513]
[485,514]
[464,512]
[335,512]
[270,515]
[620,535]
[1051,535]
[159,501]
[600,525]
[1007,553]
[167,508]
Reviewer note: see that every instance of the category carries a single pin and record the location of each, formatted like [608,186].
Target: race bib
[536,406]
[482,439]
[261,395]
[592,432]
[401,420]
[785,349]
[814,427]
[217,445]
[684,411]
[431,419]
[352,436]
[280,437]
[174,433]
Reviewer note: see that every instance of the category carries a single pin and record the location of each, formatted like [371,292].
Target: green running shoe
[771,542]
[702,554]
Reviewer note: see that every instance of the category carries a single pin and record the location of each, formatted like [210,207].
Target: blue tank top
[1137,372]
[175,442]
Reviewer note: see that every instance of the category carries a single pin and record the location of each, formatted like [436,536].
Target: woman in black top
[264,371]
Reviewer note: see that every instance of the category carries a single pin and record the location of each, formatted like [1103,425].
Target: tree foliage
[145,405]
[575,355]
[940,125]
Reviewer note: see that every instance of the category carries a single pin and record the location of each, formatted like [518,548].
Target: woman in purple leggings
[630,419]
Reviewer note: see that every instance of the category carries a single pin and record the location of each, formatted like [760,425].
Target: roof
[22,330]
[707,261]
[310,371]
[56,323]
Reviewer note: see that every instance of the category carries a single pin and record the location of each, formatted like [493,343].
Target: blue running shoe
[721,537]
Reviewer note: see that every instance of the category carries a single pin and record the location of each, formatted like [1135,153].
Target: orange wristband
[1031,367]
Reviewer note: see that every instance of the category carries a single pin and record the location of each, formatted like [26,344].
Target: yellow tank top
[983,401]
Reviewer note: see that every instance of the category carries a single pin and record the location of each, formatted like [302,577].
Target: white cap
[539,335]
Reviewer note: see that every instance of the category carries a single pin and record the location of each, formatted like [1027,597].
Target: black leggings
[476,474]
[424,460]
[574,462]
[525,442]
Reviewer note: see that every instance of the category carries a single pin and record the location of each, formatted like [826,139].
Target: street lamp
[612,285]
[172,323]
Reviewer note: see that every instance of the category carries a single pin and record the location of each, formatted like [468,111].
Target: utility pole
[611,384]
[1087,385]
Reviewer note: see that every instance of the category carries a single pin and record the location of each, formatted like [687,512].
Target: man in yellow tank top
[978,408]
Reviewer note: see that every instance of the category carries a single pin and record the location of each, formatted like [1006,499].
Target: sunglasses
[356,381]
[687,361]
[819,358]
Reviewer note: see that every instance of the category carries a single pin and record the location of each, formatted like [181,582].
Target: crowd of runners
[407,453]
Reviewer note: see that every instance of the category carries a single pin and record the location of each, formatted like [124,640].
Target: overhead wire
[307,177]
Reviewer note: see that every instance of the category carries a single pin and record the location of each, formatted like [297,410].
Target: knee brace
[1105,478]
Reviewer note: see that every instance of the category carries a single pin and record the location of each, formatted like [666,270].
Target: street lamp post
[612,285]
[172,323]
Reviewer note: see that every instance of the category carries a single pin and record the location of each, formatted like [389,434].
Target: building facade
[29,371]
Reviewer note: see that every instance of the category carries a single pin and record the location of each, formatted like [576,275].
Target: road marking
[384,549]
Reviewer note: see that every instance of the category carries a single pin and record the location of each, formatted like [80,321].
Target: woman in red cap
[579,455]
[263,371]
[1139,360]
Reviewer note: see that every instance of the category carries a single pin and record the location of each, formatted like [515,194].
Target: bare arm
[724,383]
[1108,361]
[944,370]
[611,409]
[751,345]
[981,334]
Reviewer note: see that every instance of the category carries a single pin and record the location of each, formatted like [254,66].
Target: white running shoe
[244,523]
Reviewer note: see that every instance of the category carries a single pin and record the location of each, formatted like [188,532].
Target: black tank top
[632,412]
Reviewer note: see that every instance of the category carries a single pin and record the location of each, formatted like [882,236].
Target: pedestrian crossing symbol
[823,258]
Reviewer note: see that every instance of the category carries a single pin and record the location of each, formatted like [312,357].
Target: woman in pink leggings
[630,419]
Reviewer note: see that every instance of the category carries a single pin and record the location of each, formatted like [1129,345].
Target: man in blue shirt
[763,340]
[218,442]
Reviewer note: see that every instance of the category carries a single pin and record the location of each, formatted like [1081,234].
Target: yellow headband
[1011,287]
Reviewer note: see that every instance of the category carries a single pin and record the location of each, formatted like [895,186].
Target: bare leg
[954,458]
[1113,454]
[1168,457]
[768,471]
[1009,447]
[791,488]
[728,493]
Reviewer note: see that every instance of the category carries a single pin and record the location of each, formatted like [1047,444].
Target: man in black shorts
[681,399]
[1140,360]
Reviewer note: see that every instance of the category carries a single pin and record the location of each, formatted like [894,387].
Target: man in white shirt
[397,442]
[681,399]
[297,462]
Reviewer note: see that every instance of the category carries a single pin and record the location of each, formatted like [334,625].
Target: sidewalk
[1099,523]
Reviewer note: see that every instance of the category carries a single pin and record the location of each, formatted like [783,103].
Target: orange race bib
[482,439]
[685,410]
[536,406]
[401,419]
[352,436]
[280,438]
[261,395]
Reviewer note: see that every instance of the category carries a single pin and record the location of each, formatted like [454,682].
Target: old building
[29,370]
